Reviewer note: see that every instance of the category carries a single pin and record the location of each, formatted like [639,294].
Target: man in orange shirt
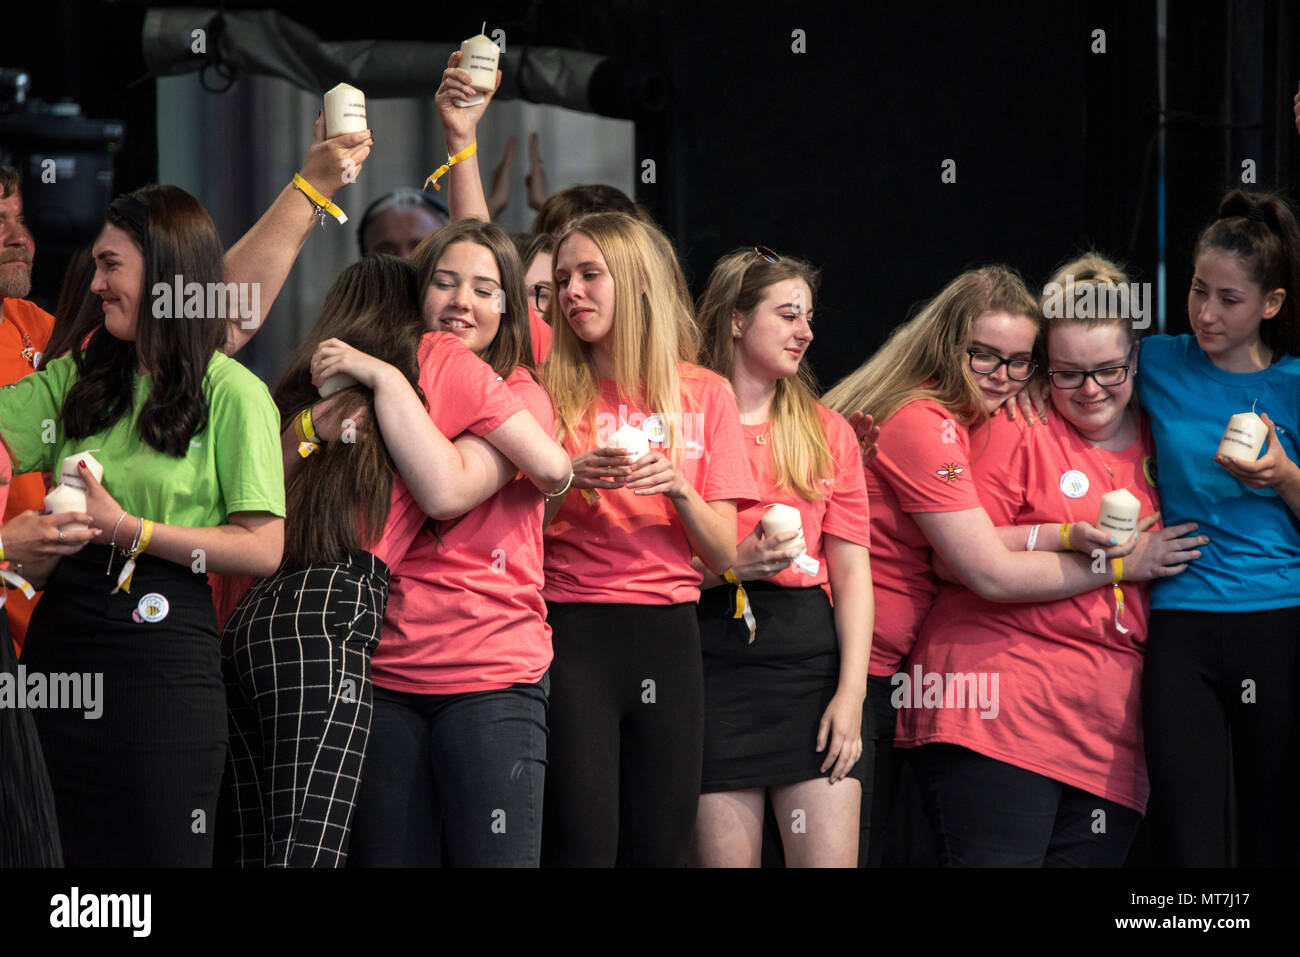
[24,331]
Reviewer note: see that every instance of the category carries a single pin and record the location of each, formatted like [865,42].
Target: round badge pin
[1149,470]
[153,607]
[653,427]
[1074,484]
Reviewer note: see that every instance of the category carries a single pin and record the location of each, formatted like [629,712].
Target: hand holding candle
[783,518]
[70,494]
[479,57]
[345,110]
[1118,514]
[1243,438]
[1274,469]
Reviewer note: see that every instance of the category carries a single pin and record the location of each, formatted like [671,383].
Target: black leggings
[987,813]
[627,735]
[1219,708]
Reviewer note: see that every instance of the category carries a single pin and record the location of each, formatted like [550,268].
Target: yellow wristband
[308,440]
[1117,564]
[1065,537]
[742,603]
[322,204]
[145,535]
[437,174]
[2,553]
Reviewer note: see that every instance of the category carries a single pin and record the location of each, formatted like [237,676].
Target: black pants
[464,772]
[882,771]
[627,735]
[987,813]
[138,785]
[296,659]
[1219,708]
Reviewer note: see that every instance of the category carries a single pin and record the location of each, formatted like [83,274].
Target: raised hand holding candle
[1244,437]
[68,474]
[784,518]
[345,110]
[1119,514]
[630,440]
[479,56]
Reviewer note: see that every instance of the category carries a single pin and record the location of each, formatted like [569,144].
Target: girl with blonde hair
[626,717]
[783,711]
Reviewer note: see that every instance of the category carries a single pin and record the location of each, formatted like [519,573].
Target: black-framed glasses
[1074,378]
[540,294]
[985,363]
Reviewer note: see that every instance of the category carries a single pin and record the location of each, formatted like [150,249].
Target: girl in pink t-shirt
[783,699]
[957,361]
[458,750]
[1028,716]
[297,649]
[623,779]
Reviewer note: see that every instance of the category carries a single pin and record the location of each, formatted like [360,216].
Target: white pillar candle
[1244,437]
[1119,514]
[631,440]
[335,383]
[68,474]
[345,110]
[65,498]
[778,519]
[479,55]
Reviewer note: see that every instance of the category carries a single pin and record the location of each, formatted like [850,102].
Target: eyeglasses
[986,364]
[540,294]
[764,253]
[1074,378]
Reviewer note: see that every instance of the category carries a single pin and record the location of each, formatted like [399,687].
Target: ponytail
[1261,229]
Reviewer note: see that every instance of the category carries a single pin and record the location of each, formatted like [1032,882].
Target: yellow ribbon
[124,578]
[1119,594]
[441,171]
[742,603]
[318,200]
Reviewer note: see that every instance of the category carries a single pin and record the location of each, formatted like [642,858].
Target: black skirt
[137,784]
[29,835]
[763,701]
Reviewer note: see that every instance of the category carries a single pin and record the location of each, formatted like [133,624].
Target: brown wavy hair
[336,503]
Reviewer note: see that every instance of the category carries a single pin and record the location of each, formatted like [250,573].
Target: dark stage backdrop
[836,153]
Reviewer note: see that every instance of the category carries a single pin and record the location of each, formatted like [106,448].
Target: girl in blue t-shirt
[1220,681]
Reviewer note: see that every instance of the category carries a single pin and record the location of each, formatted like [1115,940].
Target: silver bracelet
[1033,538]
[563,489]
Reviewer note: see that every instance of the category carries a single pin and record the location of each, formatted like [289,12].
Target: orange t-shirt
[1067,701]
[23,335]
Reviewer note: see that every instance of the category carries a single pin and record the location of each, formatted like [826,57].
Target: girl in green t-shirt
[193,482]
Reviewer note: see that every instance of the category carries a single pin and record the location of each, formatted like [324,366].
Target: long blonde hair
[653,329]
[800,452]
[931,347]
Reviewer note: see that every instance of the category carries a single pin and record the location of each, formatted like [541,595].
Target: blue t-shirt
[1252,562]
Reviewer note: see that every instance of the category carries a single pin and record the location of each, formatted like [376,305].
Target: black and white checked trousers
[296,662]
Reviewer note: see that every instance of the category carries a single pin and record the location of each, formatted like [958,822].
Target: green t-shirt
[233,465]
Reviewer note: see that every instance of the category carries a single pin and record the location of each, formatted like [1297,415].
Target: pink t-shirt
[465,613]
[1067,699]
[842,513]
[541,335]
[922,465]
[629,548]
[462,393]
